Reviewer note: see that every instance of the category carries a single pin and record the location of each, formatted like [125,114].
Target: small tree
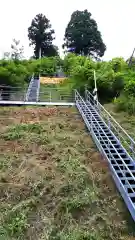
[6,55]
[17,50]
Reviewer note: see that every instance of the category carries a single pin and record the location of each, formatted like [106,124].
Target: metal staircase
[116,146]
[32,94]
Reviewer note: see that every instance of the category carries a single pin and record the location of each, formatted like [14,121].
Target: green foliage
[127,104]
[46,66]
[12,74]
[111,76]
[80,72]
[82,35]
[16,73]
[126,99]
[118,64]
[16,224]
[40,35]
[130,88]
[77,234]
[19,131]
[114,78]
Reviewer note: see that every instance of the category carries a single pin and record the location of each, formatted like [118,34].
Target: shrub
[16,73]
[110,75]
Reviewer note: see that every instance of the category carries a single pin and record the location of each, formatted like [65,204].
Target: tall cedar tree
[40,35]
[82,35]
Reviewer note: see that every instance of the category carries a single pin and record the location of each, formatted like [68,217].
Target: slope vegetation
[53,182]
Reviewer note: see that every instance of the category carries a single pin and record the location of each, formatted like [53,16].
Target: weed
[19,131]
[4,163]
[80,201]
[76,234]
[15,224]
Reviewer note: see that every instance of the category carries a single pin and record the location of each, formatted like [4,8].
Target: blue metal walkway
[33,90]
[121,161]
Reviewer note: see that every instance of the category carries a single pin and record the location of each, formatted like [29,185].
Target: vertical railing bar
[50,96]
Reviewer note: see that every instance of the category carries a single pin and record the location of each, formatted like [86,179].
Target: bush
[129,89]
[18,73]
[110,75]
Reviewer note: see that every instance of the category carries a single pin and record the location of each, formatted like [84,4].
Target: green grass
[54,184]
[123,118]
[55,92]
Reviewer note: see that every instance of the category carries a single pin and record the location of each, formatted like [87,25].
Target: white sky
[115,19]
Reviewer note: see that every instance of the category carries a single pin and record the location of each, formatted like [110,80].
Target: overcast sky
[115,19]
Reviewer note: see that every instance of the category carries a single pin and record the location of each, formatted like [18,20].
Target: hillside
[53,182]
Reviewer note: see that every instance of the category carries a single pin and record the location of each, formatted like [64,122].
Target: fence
[50,95]
[12,93]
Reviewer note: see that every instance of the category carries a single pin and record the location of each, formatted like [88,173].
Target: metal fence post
[131,147]
[75,95]
[91,122]
[85,93]
[50,96]
[109,123]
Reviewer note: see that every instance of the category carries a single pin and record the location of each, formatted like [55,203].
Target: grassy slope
[53,182]
[124,119]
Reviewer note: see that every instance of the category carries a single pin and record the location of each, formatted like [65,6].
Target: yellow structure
[53,80]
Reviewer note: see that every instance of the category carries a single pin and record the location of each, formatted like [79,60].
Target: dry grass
[53,80]
[53,182]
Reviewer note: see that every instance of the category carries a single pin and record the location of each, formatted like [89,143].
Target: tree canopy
[41,36]
[82,35]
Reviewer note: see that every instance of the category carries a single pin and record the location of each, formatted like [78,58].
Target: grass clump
[20,130]
[15,224]
[76,234]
